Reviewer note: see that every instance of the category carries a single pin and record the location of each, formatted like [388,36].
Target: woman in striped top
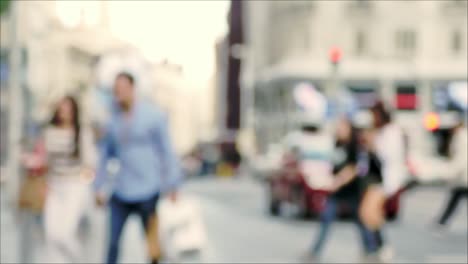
[70,161]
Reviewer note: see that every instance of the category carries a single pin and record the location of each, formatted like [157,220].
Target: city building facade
[401,51]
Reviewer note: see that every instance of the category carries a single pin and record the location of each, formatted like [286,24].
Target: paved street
[239,230]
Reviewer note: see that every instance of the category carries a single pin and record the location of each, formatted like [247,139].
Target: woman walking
[346,189]
[388,151]
[69,160]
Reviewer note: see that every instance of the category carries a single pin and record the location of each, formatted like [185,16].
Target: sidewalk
[2,175]
[133,248]
[8,238]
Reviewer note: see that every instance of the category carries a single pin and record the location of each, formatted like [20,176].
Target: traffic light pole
[334,85]
[332,90]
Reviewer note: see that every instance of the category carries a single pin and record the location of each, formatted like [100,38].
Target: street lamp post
[15,106]
[15,132]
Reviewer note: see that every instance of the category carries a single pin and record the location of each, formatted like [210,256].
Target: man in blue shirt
[137,137]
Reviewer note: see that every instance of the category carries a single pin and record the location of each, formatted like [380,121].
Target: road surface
[239,230]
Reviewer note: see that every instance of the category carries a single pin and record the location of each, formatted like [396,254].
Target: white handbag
[180,227]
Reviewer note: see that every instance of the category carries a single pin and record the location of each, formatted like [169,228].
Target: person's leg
[326,219]
[62,215]
[147,212]
[378,238]
[75,203]
[119,214]
[367,237]
[455,197]
[52,226]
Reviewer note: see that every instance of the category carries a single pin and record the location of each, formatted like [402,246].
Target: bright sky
[185,32]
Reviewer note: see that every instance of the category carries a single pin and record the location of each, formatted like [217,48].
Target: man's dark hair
[127,76]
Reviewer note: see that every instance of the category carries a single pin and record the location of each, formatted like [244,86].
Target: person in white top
[389,146]
[455,168]
[313,145]
[69,160]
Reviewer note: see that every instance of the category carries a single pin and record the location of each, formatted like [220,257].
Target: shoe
[308,257]
[385,254]
[439,229]
[370,258]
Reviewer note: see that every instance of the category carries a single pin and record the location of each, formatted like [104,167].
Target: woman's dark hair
[55,121]
[383,114]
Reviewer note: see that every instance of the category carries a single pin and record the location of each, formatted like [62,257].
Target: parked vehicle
[288,185]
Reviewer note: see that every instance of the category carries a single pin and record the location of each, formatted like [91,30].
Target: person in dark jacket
[346,187]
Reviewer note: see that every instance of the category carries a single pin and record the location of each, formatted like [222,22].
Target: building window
[406,97]
[359,7]
[405,42]
[457,3]
[365,95]
[456,42]
[454,7]
[360,43]
[362,3]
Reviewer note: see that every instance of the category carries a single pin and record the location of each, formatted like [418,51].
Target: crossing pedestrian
[68,156]
[137,137]
[346,190]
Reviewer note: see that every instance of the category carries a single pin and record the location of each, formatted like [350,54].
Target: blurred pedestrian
[346,186]
[69,159]
[137,136]
[455,168]
[387,142]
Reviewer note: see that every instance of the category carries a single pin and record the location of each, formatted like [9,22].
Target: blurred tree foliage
[4,4]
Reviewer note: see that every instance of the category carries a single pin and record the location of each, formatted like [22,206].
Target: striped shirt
[59,145]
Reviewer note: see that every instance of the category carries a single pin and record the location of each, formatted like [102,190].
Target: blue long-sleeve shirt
[141,144]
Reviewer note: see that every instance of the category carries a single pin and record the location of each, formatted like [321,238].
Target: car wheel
[274,207]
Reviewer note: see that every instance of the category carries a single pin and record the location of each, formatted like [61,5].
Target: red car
[288,185]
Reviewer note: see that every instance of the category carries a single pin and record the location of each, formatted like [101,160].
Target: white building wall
[331,23]
[276,44]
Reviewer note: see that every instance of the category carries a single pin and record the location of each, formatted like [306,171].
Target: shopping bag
[32,194]
[180,227]
[33,190]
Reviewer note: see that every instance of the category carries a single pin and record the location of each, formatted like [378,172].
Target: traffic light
[335,55]
[432,121]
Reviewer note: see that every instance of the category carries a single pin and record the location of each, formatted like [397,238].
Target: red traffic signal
[335,55]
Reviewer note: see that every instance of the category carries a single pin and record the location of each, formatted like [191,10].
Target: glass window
[365,95]
[406,97]
[456,42]
[405,42]
[360,43]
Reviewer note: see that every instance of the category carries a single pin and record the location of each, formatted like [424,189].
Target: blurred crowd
[359,164]
[110,146]
[70,163]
